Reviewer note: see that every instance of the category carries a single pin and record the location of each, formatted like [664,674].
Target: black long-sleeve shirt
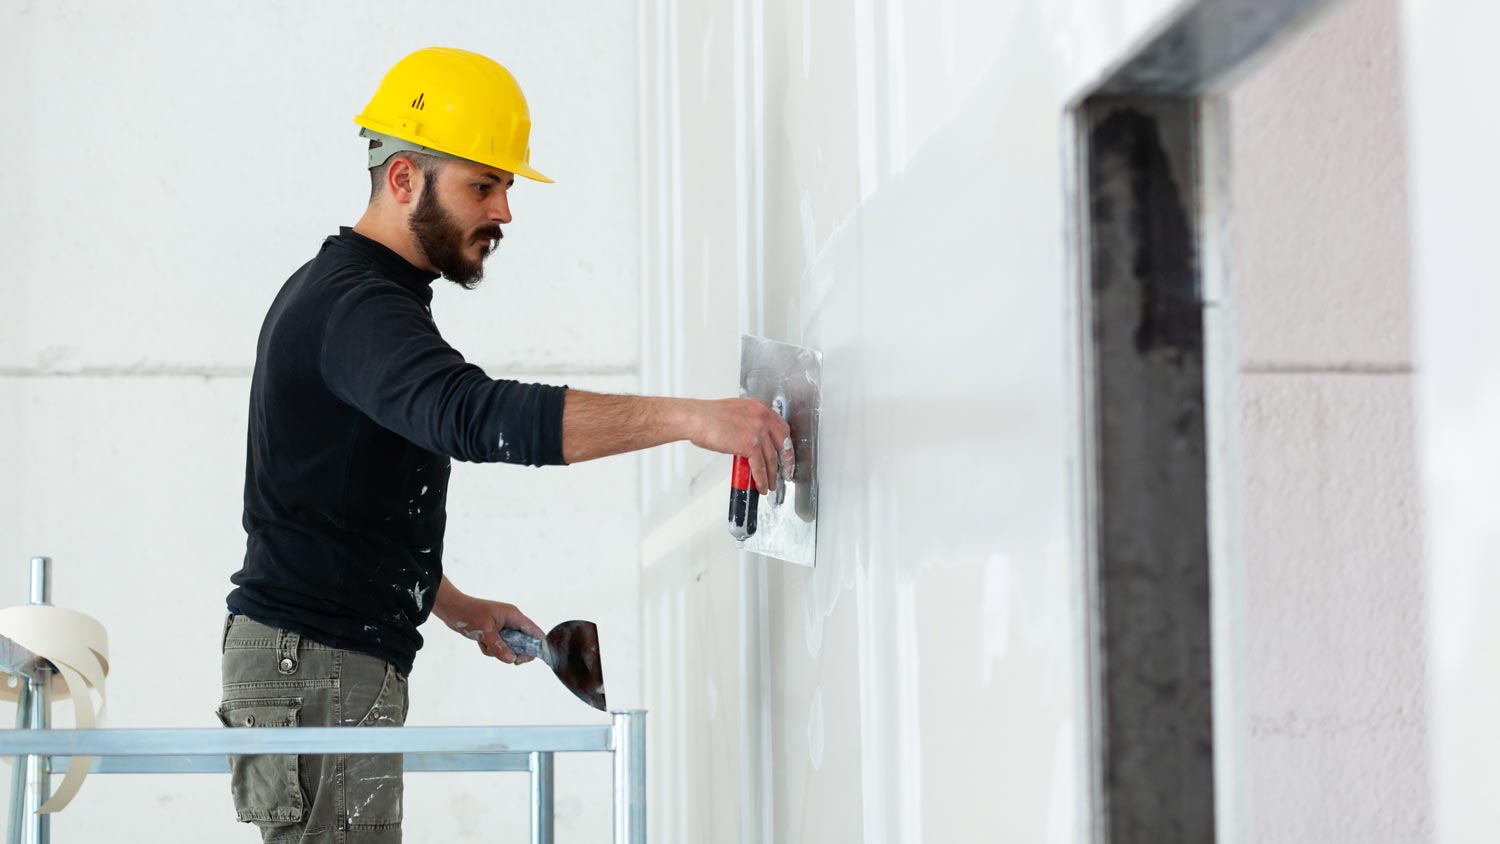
[356,405]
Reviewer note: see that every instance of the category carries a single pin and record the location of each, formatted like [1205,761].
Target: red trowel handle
[744,499]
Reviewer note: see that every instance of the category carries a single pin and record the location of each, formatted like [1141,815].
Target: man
[356,407]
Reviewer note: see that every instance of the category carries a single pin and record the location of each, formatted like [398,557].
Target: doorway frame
[1149,208]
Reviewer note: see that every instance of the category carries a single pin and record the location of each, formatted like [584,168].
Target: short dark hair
[430,165]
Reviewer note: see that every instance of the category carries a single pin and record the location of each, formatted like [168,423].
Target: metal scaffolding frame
[41,752]
[203,751]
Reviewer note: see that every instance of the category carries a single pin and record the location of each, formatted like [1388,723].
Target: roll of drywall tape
[78,648]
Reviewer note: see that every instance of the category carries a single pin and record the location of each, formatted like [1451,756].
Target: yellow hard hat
[457,103]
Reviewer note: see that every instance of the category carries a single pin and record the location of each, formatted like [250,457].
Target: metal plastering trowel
[572,649]
[785,525]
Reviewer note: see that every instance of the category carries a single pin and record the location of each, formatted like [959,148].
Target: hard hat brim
[520,168]
[524,169]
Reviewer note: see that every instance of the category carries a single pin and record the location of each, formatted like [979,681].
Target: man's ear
[401,180]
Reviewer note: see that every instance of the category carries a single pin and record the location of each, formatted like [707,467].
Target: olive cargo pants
[275,678]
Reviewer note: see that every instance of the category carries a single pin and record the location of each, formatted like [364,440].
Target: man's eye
[482,187]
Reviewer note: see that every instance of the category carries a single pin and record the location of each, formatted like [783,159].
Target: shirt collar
[397,268]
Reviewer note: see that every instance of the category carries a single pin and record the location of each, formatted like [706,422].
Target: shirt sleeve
[382,354]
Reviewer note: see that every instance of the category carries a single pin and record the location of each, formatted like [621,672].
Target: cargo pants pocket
[266,789]
[373,787]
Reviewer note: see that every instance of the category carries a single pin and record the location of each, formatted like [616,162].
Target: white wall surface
[1455,132]
[883,181]
[1331,542]
[171,165]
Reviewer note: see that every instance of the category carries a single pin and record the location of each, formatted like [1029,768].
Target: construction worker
[357,405]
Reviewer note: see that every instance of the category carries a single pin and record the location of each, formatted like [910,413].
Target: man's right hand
[746,428]
[596,425]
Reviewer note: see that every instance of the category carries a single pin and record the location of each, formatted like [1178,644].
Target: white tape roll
[79,648]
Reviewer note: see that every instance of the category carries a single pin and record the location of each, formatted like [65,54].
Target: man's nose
[500,209]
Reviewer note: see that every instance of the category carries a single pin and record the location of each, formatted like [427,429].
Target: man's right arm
[382,354]
[596,425]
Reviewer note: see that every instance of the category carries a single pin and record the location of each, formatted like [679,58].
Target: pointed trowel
[572,649]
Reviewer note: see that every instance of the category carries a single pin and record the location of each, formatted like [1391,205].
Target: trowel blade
[573,652]
[783,375]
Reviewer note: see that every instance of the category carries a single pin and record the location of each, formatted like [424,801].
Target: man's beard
[446,244]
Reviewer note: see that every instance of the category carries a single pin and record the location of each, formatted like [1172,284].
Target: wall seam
[1329,369]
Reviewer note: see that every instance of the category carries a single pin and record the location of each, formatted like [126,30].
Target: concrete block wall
[1335,625]
[174,163]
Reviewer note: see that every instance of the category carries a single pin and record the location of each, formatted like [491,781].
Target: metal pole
[41,580]
[15,829]
[629,745]
[541,798]
[39,768]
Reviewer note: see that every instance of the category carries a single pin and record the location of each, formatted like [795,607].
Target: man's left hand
[482,620]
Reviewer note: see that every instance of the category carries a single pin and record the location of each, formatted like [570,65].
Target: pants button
[249,720]
[288,665]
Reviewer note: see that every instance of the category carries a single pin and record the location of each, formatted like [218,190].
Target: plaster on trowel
[785,526]
[572,650]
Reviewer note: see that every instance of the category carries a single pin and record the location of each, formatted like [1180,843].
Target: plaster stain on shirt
[424,550]
[423,492]
[418,594]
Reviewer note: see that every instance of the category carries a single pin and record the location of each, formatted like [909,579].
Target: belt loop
[286,652]
[224,639]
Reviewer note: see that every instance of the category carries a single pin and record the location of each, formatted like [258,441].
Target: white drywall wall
[172,164]
[1455,133]
[883,181]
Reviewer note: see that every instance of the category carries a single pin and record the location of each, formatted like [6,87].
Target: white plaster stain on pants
[355,810]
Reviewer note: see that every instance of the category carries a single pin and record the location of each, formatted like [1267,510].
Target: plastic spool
[78,647]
